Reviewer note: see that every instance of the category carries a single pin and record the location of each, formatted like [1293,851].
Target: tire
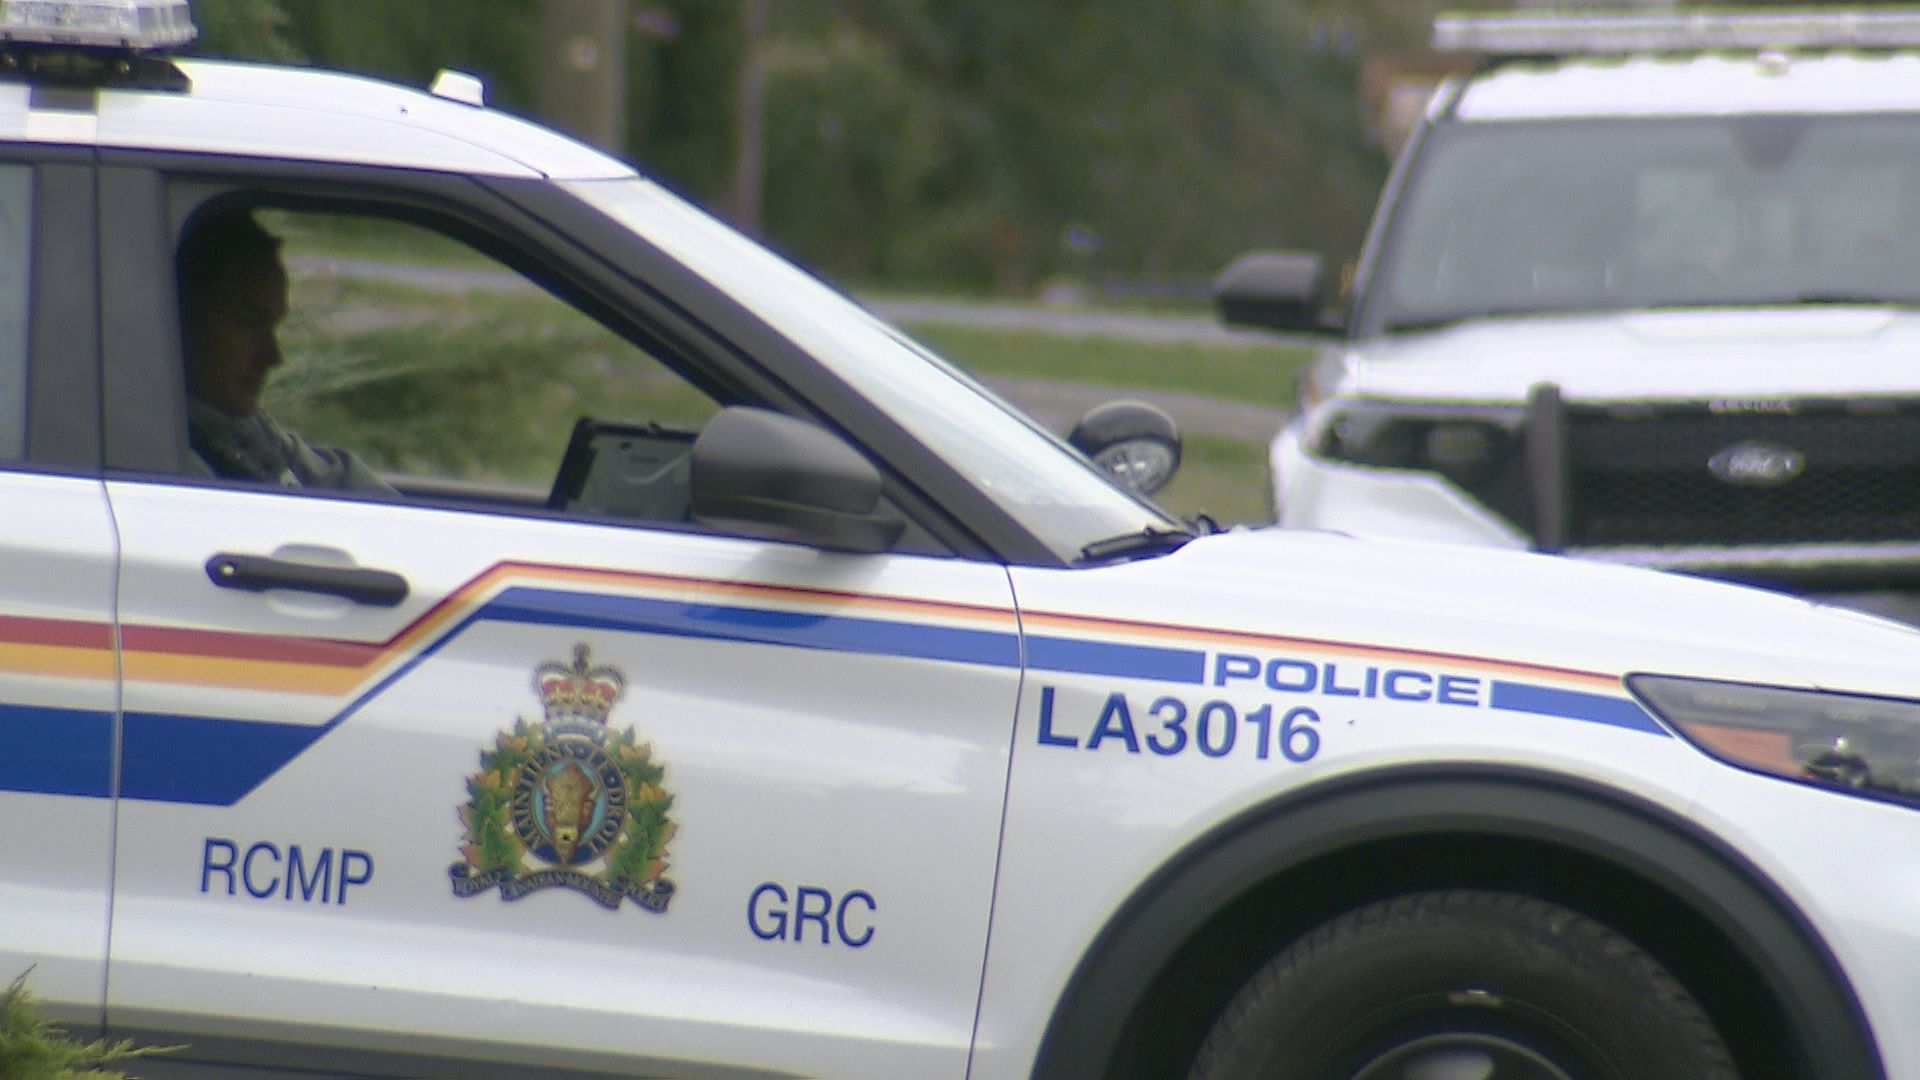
[1463,985]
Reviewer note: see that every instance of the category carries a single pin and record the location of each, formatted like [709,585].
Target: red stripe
[66,632]
[231,646]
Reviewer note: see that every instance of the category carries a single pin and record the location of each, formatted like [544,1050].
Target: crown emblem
[571,802]
[576,693]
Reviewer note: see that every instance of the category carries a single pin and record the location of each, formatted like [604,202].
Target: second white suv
[1642,289]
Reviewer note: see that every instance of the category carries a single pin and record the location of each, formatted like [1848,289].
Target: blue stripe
[214,762]
[56,751]
[204,761]
[1574,705]
[755,626]
[1121,661]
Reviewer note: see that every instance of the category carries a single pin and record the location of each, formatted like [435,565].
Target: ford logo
[1757,464]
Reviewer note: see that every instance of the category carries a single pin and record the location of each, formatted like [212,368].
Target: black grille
[1639,475]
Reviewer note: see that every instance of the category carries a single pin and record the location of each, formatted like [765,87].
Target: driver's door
[463,774]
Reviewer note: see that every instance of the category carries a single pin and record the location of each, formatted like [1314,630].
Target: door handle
[258,573]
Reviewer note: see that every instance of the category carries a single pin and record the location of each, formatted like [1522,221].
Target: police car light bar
[1550,34]
[138,25]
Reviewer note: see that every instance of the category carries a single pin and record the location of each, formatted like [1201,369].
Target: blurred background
[1070,154]
[981,147]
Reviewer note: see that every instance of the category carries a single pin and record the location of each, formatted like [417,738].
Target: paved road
[1056,404]
[1064,321]
[1067,322]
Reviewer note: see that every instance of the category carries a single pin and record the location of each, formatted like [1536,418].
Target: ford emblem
[1757,464]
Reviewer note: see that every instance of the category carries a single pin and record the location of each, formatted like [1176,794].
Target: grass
[505,374]
[1242,373]
[34,1048]
[355,237]
[1224,478]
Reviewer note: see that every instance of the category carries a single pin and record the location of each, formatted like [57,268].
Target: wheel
[1463,985]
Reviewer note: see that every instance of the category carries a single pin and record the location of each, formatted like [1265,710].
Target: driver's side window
[454,377]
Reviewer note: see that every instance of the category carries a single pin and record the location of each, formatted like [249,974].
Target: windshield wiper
[1846,299]
[1441,322]
[1825,299]
[1151,540]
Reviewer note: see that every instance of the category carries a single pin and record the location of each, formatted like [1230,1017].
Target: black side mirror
[768,474]
[1272,290]
[1138,443]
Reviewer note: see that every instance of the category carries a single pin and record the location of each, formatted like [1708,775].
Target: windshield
[1030,473]
[1510,217]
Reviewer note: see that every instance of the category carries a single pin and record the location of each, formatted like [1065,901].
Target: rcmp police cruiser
[812,712]
[1639,290]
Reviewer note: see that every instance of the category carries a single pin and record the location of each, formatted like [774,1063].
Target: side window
[16,275]
[406,359]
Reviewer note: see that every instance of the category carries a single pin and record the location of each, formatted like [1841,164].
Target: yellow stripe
[60,661]
[295,677]
[240,674]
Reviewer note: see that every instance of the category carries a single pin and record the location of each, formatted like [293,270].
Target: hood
[1458,600]
[1743,354]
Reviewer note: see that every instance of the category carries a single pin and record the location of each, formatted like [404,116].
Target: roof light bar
[139,25]
[1551,34]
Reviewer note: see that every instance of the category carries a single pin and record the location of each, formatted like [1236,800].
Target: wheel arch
[1142,996]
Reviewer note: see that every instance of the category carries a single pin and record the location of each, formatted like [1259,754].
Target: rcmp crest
[569,802]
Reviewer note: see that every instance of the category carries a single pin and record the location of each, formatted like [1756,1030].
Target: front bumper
[1310,492]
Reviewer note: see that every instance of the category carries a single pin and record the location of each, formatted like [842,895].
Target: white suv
[690,676]
[1642,288]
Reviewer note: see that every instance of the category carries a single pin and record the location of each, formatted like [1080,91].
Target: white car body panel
[1081,832]
[57,682]
[1310,493]
[1724,355]
[1661,355]
[310,116]
[1324,609]
[1723,336]
[1695,86]
[911,796]
[828,766]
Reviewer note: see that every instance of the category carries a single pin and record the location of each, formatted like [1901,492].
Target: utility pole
[581,80]
[749,157]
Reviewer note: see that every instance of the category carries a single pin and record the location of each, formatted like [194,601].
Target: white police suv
[720,685]
[1642,288]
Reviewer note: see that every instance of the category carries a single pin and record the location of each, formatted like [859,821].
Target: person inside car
[233,297]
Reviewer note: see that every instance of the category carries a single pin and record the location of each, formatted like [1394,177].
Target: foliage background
[969,145]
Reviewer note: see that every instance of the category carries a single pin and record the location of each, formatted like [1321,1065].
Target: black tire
[1463,985]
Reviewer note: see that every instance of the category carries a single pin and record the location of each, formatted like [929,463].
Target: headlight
[1459,442]
[1848,742]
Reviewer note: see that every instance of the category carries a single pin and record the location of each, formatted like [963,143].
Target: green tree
[949,142]
[250,29]
[965,143]
[411,42]
[681,95]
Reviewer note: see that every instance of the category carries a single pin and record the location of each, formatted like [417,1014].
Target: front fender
[1135,962]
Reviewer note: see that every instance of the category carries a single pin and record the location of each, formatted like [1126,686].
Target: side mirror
[1138,443]
[1273,290]
[768,474]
